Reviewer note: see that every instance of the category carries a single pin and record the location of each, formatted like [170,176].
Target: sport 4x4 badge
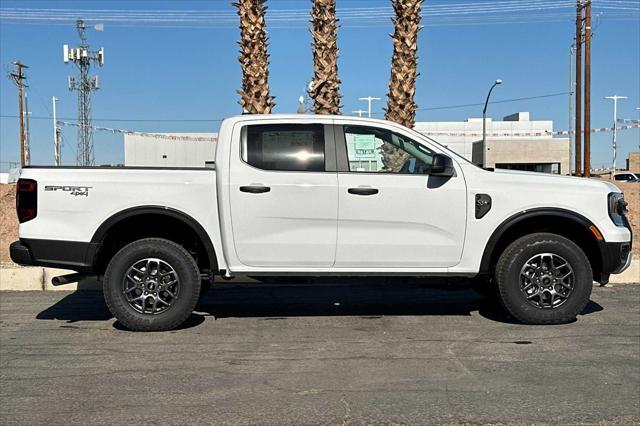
[72,190]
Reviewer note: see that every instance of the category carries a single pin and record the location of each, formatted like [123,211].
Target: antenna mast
[84,84]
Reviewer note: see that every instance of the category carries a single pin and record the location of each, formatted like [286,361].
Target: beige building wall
[529,151]
[633,162]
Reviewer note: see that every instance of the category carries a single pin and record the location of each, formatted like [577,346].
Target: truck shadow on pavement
[369,299]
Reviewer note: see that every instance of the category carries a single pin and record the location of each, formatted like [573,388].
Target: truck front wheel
[544,278]
[152,285]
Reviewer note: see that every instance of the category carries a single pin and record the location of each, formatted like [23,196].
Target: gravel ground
[407,353]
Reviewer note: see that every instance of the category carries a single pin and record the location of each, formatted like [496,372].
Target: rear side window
[285,147]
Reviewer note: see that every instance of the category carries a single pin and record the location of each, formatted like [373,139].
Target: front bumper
[615,258]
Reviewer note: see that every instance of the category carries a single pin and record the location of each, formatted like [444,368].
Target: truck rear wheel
[152,285]
[544,278]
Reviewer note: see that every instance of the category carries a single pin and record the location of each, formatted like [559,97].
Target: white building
[163,151]
[514,143]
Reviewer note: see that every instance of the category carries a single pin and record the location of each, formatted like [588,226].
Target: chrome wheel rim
[151,286]
[547,280]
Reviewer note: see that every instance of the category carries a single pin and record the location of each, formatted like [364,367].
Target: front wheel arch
[565,223]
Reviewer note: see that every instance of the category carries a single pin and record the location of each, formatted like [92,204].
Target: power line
[502,11]
[149,120]
[217,120]
[502,101]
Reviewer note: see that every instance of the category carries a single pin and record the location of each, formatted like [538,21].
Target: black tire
[184,267]
[485,286]
[508,279]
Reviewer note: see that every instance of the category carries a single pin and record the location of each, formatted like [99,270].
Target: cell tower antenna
[84,84]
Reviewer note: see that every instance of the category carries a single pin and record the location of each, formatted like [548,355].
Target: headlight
[617,208]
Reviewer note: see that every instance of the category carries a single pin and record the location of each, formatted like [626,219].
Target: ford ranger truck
[313,195]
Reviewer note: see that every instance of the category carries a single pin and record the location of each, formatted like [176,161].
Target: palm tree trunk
[401,107]
[253,57]
[324,89]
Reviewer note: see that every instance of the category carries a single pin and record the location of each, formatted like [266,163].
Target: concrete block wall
[39,279]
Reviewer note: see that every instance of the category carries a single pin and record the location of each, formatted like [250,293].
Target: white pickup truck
[298,195]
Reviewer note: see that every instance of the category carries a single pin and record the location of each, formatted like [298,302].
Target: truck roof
[310,117]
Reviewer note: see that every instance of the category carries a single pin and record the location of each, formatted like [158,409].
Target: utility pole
[57,157]
[359,112]
[587,89]
[17,76]
[578,137]
[27,136]
[615,99]
[84,85]
[369,99]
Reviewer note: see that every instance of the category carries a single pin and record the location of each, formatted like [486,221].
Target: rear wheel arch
[137,223]
[566,223]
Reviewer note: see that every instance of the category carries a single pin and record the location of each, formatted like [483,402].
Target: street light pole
[615,99]
[56,140]
[369,99]
[638,109]
[572,91]
[484,124]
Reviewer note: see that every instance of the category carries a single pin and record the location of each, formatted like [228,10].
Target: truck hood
[556,180]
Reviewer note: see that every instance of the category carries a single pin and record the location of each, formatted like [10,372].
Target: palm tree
[401,107]
[254,59]
[324,88]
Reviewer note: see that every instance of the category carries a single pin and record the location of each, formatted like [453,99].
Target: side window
[285,147]
[373,150]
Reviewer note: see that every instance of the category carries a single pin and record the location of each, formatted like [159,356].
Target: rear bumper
[20,254]
[74,255]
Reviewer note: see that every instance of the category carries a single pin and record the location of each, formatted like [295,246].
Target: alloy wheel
[547,280]
[151,286]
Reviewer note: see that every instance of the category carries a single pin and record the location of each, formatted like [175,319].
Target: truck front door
[392,213]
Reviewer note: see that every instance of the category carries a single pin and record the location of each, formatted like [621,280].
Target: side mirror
[442,166]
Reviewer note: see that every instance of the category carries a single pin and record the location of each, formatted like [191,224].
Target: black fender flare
[525,215]
[103,229]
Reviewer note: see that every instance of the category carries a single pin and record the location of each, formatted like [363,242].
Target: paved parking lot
[367,353]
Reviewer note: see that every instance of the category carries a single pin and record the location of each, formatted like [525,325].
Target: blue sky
[193,73]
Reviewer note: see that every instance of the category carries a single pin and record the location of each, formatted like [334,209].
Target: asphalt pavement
[401,353]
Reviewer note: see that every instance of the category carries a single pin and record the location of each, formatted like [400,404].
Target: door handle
[363,191]
[255,189]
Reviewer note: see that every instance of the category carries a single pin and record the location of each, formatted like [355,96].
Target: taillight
[26,199]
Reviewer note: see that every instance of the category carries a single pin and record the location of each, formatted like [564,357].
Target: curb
[39,279]
[631,275]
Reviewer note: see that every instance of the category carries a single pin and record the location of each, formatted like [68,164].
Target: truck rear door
[284,194]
